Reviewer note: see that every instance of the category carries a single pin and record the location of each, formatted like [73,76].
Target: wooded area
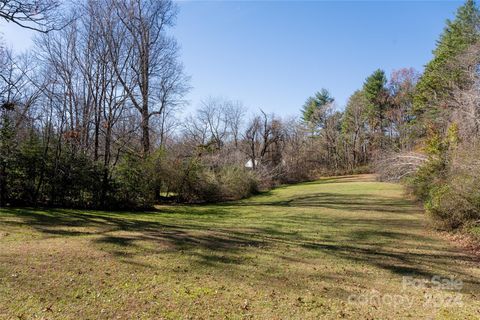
[90,118]
[121,199]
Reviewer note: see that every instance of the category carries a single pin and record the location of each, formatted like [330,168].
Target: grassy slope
[297,252]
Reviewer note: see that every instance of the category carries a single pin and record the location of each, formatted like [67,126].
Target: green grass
[297,252]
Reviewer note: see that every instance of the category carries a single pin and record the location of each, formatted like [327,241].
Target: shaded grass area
[295,252]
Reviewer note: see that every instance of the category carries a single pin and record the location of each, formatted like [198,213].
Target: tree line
[90,118]
[441,166]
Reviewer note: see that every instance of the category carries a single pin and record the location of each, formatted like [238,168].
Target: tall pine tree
[313,110]
[376,95]
[441,75]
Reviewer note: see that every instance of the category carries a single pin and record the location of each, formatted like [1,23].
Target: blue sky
[274,54]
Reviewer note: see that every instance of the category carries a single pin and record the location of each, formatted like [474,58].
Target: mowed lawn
[309,251]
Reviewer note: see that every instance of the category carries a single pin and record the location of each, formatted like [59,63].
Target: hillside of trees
[90,118]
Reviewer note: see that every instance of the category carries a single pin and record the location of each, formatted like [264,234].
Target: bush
[450,189]
[135,182]
[202,183]
[427,177]
[37,177]
[237,182]
[441,204]
[452,205]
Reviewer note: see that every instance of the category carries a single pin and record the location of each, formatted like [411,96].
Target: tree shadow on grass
[322,181]
[121,230]
[362,238]
[344,202]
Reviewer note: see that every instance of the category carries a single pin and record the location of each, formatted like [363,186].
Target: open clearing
[308,251]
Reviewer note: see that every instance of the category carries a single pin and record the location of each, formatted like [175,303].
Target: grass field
[345,247]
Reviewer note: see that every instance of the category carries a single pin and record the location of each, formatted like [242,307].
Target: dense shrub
[456,201]
[34,174]
[425,179]
[237,182]
[449,182]
[453,204]
[202,183]
[133,183]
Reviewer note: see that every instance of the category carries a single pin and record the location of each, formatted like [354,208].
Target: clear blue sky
[273,55]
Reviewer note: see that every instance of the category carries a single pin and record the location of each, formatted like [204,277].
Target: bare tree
[234,116]
[152,77]
[217,123]
[262,139]
[402,87]
[38,15]
[465,98]
[354,129]
[396,166]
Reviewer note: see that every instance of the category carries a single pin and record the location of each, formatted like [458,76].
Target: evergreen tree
[376,95]
[7,154]
[314,108]
[440,77]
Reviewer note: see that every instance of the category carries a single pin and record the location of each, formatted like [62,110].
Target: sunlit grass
[295,252]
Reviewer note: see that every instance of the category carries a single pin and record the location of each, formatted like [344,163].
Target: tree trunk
[145,131]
